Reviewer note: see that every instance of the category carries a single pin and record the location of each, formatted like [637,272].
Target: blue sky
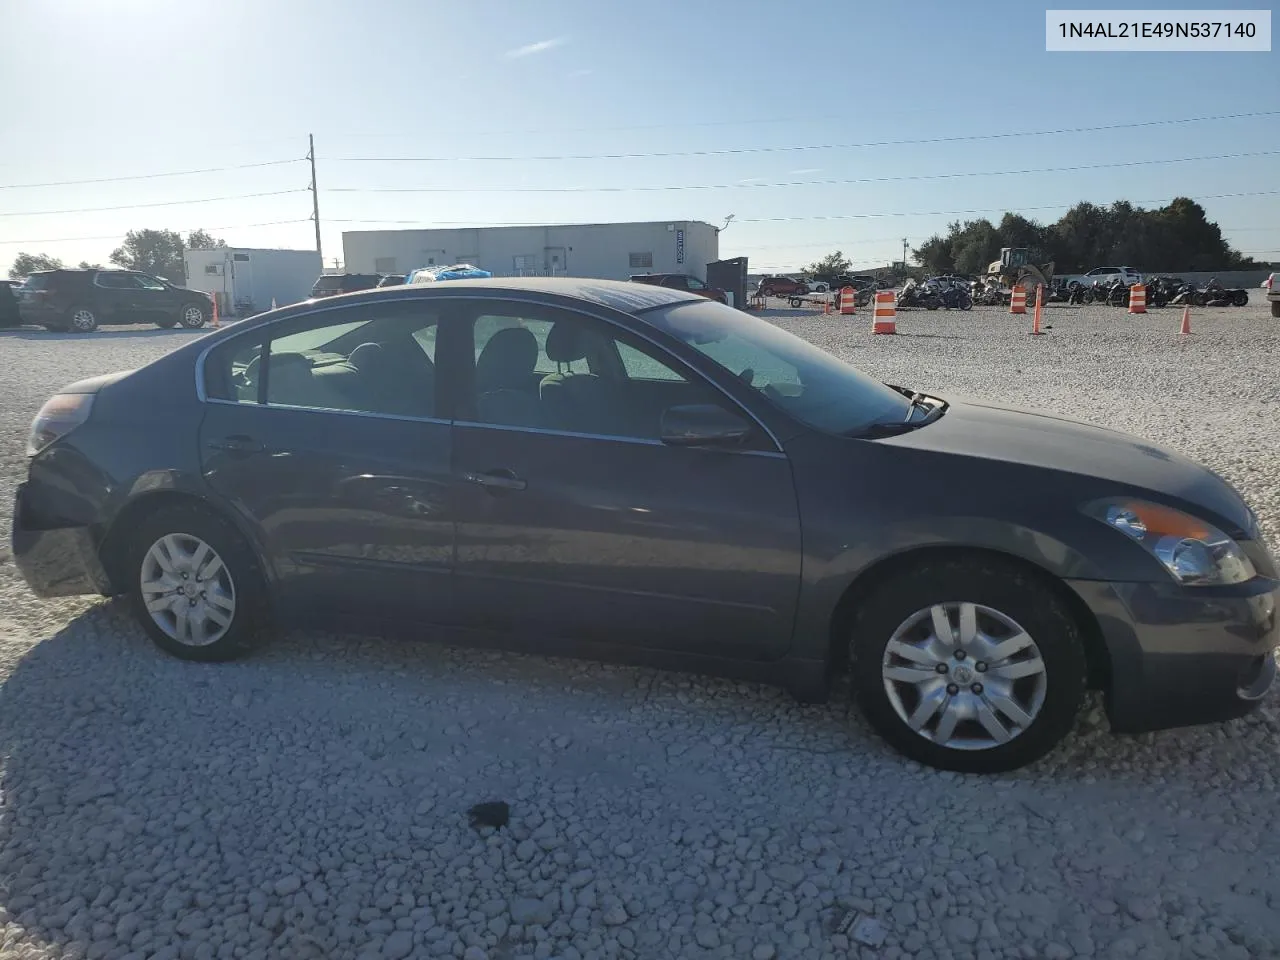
[97,90]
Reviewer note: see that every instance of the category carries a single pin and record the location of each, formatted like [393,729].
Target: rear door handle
[238,444]
[496,480]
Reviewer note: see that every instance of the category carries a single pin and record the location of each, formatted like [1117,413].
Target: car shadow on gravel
[139,789]
[122,333]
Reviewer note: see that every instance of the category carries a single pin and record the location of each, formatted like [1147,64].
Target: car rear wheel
[82,320]
[192,316]
[969,666]
[195,585]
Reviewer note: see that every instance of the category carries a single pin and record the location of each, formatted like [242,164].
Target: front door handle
[496,480]
[238,444]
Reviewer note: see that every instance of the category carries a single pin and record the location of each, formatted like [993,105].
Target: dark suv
[83,300]
[332,284]
[682,281]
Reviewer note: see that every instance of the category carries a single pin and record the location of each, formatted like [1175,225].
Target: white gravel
[312,801]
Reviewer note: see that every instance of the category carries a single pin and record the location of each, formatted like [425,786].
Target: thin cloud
[580,73]
[541,46]
[808,170]
[750,180]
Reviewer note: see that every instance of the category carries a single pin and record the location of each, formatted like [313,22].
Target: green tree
[86,265]
[935,255]
[832,263]
[26,263]
[203,240]
[158,252]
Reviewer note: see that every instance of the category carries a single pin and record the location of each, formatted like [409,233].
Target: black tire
[1275,308]
[1015,591]
[766,291]
[80,319]
[193,315]
[166,323]
[250,618]
[1240,298]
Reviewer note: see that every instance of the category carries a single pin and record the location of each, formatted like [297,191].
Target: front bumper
[56,561]
[1180,656]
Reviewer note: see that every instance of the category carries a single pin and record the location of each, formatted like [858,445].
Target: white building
[605,251]
[246,280]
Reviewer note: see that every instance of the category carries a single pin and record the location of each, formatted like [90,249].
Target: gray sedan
[628,472]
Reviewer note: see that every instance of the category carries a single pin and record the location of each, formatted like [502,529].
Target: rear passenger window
[372,359]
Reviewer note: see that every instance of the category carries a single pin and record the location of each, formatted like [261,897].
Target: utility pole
[315,193]
[904,239]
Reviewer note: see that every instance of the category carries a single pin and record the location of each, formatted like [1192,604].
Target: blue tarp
[458,271]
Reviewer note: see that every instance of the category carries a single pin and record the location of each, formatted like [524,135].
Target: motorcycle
[1081,293]
[956,298]
[1216,295]
[988,294]
[915,294]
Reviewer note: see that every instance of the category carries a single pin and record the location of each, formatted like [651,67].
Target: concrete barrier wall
[1228,278]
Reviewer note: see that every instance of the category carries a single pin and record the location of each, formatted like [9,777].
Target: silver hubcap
[82,320]
[964,676]
[193,317]
[187,589]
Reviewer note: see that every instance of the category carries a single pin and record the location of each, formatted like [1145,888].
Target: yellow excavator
[1014,267]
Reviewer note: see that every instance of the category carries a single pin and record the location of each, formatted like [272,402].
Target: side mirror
[702,424]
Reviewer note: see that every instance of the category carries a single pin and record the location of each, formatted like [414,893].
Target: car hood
[94,384]
[994,431]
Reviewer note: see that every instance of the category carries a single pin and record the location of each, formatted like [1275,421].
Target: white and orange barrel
[885,316]
[1018,299]
[1138,298]
[848,296]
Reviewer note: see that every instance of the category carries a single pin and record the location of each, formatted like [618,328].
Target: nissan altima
[630,472]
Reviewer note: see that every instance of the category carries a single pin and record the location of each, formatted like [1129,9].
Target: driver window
[568,373]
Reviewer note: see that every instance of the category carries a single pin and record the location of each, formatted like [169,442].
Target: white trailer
[246,280]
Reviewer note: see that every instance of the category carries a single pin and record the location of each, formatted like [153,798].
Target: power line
[809,183]
[115,236]
[807,147]
[150,176]
[163,203]
[850,216]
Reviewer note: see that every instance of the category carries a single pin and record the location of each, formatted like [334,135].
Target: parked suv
[782,287]
[332,284]
[83,300]
[682,281]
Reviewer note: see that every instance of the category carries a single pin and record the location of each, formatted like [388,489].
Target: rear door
[329,439]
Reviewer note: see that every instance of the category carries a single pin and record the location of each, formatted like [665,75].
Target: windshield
[806,382]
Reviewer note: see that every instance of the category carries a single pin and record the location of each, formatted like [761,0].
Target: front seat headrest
[508,359]
[565,343]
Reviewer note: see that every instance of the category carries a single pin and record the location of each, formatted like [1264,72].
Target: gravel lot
[312,801]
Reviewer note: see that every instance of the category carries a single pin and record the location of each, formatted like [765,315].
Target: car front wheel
[969,666]
[192,316]
[195,585]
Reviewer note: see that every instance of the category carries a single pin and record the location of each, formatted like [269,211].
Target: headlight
[61,414]
[1194,552]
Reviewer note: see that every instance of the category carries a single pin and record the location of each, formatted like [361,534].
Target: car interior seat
[506,391]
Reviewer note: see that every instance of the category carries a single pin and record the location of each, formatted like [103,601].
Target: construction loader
[1014,268]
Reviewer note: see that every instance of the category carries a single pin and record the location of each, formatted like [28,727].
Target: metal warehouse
[606,251]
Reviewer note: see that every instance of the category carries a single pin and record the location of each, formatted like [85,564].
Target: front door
[576,521]
[326,438]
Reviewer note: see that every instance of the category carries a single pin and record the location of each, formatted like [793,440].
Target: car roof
[623,295]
